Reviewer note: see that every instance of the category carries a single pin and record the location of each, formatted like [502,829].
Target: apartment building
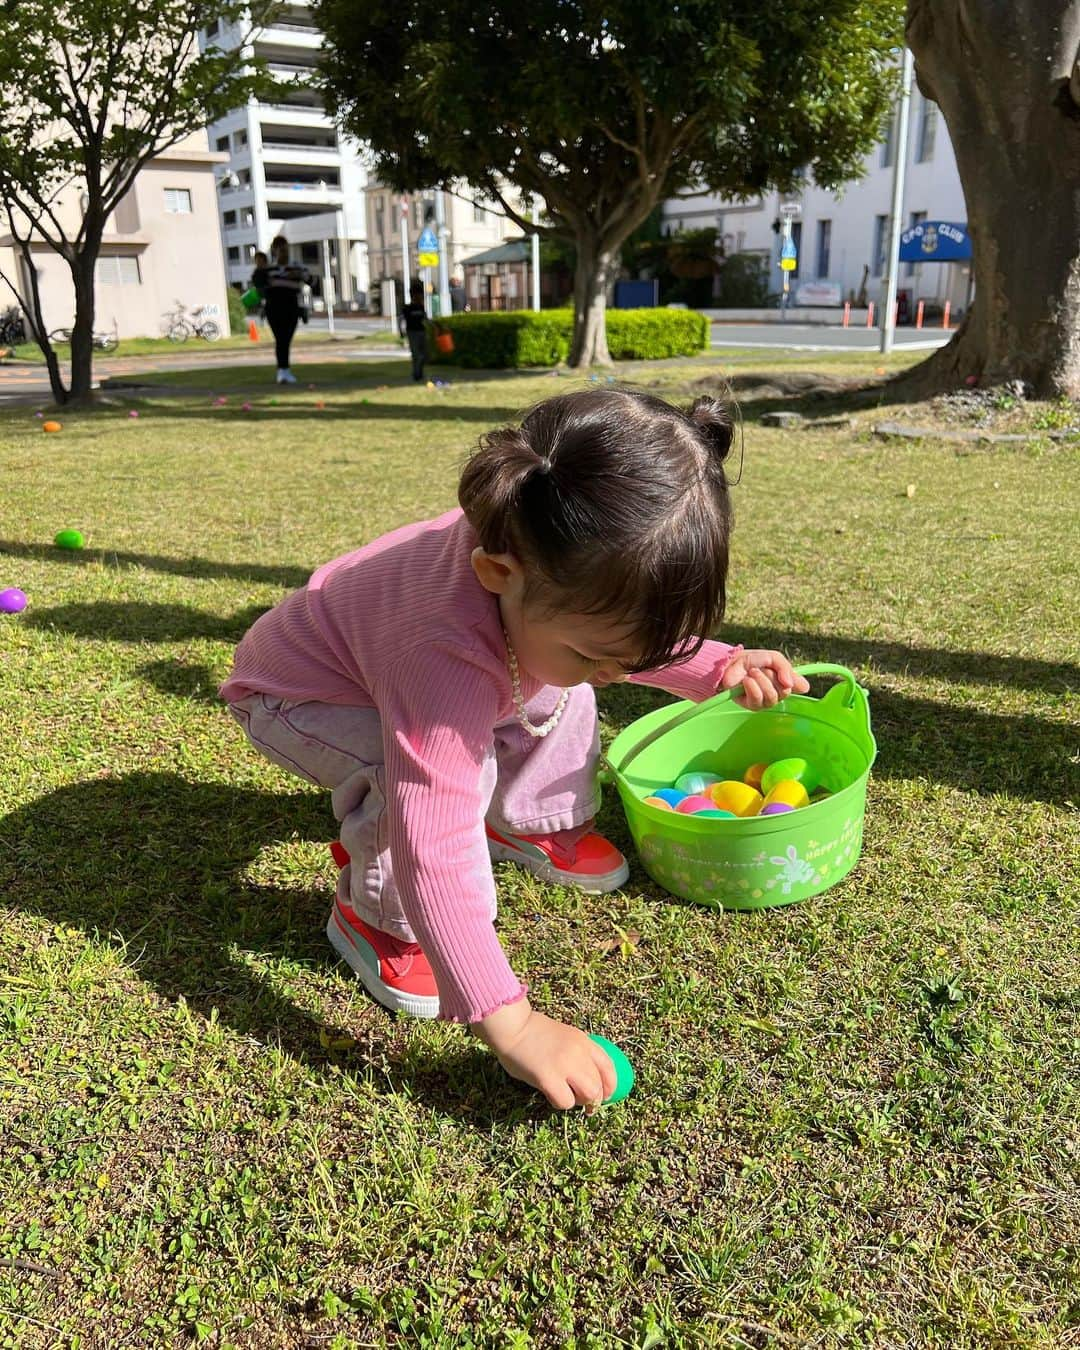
[842,238]
[472,226]
[290,170]
[161,245]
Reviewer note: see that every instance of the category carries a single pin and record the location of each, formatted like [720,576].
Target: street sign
[427,260]
[428,242]
[787,264]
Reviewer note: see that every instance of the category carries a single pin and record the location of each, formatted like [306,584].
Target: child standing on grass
[440,682]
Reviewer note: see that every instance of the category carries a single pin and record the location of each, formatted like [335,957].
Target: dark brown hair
[616,504]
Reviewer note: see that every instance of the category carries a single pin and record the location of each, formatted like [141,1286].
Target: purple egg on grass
[12,601]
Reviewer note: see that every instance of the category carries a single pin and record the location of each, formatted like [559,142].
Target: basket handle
[850,697]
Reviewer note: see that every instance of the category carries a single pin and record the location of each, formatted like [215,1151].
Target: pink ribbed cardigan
[404,626]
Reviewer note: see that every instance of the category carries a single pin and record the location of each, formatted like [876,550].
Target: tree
[604,108]
[1007,80]
[91,90]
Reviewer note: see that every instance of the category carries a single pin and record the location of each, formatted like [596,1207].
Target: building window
[178,201]
[888,146]
[924,146]
[222,143]
[213,28]
[824,242]
[479,213]
[230,219]
[117,269]
[234,254]
[881,229]
[241,138]
[910,269]
[248,216]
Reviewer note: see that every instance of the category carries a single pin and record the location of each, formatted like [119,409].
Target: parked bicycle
[181,324]
[12,327]
[102,342]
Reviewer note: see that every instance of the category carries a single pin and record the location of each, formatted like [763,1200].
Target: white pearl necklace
[519,702]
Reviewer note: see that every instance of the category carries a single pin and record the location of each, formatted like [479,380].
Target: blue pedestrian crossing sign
[427,248]
[788,254]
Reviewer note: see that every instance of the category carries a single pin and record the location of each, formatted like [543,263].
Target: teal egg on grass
[624,1071]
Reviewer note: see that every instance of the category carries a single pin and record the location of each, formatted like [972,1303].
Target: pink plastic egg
[691,805]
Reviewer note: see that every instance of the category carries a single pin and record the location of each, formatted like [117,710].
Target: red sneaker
[591,863]
[395,973]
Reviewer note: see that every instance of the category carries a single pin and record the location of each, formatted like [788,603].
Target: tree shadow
[291,578]
[814,396]
[130,621]
[261,414]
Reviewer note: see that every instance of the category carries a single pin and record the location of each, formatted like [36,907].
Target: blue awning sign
[935,241]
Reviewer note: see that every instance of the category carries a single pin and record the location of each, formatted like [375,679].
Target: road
[23,382]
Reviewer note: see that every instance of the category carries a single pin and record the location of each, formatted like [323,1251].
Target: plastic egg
[670,795]
[659,802]
[796,769]
[753,775]
[69,539]
[739,798]
[788,793]
[715,813]
[12,601]
[696,782]
[52,426]
[690,806]
[775,809]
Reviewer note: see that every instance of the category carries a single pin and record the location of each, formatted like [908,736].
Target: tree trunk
[82,335]
[596,266]
[1001,75]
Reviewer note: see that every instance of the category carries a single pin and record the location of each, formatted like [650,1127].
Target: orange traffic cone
[253,330]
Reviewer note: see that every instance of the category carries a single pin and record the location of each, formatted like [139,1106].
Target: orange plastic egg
[739,798]
[52,426]
[753,775]
[659,801]
[788,793]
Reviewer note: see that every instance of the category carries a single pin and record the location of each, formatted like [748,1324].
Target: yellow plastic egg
[753,775]
[741,798]
[789,793]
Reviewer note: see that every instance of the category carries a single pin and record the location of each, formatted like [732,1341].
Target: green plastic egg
[69,539]
[624,1072]
[797,769]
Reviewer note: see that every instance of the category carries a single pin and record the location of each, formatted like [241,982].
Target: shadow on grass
[158,864]
[288,577]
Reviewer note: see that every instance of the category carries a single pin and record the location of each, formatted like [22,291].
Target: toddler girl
[439,681]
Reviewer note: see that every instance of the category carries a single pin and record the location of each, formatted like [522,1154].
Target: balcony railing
[301,146]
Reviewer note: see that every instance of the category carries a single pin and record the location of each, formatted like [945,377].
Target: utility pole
[535,260]
[406,285]
[444,253]
[888,309]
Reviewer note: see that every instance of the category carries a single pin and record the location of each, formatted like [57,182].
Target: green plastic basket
[760,861]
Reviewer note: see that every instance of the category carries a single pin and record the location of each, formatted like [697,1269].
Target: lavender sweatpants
[531,785]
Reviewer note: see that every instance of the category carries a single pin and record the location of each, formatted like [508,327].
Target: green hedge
[523,337]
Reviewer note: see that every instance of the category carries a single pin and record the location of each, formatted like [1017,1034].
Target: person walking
[284,283]
[413,325]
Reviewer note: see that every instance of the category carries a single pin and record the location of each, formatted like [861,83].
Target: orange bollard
[870,315]
[847,312]
[918,314]
[945,315]
[253,330]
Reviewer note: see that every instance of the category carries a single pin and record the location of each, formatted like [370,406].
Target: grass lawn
[855,1120]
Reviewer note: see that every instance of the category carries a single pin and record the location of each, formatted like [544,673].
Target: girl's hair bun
[713,420]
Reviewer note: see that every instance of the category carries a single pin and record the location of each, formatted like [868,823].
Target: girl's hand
[766,677]
[567,1067]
